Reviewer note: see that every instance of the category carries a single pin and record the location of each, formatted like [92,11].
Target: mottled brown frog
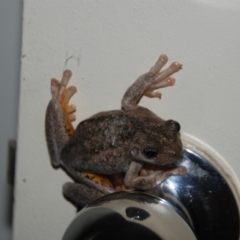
[115,150]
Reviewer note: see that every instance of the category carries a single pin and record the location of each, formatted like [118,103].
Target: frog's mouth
[116,181]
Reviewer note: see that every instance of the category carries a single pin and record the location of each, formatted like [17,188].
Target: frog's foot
[147,83]
[144,179]
[63,94]
[81,194]
[151,93]
[162,176]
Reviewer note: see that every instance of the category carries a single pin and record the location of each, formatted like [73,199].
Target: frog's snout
[173,125]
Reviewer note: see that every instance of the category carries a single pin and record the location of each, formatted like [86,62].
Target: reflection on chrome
[171,185]
[204,197]
[199,205]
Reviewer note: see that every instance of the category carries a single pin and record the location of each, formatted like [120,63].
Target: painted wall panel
[110,43]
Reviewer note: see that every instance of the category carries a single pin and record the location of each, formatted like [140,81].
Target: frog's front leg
[147,83]
[133,180]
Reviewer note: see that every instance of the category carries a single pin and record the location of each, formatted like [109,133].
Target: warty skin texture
[115,150]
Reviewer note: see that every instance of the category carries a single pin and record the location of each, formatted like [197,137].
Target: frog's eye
[150,152]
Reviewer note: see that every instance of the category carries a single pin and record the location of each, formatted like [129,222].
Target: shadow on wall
[10,52]
[10,179]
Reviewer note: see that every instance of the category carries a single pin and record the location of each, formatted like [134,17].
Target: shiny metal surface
[128,216]
[199,205]
[205,198]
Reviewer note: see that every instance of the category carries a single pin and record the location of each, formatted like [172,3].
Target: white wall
[10,43]
[116,41]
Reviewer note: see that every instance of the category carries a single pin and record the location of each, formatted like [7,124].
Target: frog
[118,150]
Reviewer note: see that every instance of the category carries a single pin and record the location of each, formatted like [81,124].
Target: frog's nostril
[173,125]
[177,126]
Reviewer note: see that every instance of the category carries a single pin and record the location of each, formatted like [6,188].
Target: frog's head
[158,145]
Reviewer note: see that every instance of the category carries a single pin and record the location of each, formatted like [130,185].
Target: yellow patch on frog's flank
[99,179]
[64,100]
[67,122]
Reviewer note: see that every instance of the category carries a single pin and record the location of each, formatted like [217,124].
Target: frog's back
[106,136]
[139,116]
[117,126]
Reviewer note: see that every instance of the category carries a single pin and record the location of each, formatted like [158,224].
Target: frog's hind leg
[80,194]
[59,115]
[59,126]
[89,187]
[63,96]
[147,83]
